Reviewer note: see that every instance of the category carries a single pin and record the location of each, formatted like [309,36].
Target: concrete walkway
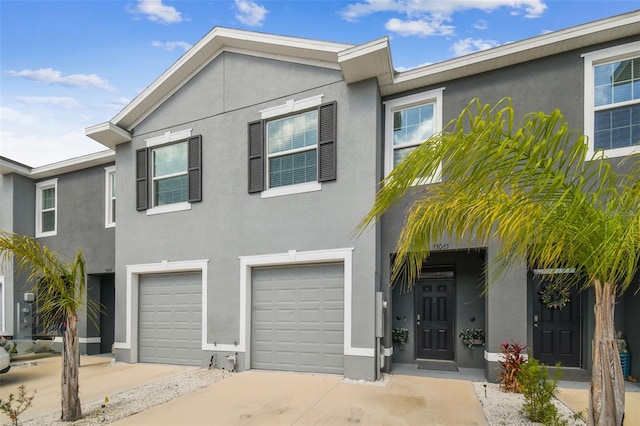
[578,400]
[98,378]
[273,398]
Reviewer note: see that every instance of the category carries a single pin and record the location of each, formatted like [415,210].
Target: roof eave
[108,134]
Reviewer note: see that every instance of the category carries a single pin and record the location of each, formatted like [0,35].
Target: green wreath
[555,297]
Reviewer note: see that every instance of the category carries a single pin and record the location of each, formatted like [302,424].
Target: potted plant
[400,335]
[472,336]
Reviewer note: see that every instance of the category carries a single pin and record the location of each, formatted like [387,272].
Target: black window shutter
[327,142]
[256,154]
[195,169]
[142,188]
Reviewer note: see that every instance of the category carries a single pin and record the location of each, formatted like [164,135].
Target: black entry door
[434,318]
[556,332]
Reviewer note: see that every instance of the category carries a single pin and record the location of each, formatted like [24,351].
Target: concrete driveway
[259,397]
[98,378]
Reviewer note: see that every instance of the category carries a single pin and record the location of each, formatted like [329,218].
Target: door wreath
[555,297]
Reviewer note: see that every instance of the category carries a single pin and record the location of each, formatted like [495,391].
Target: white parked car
[4,360]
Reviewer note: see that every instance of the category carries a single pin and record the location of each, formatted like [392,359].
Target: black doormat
[437,365]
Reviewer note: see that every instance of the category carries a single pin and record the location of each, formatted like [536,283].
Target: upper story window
[110,197]
[612,99]
[169,173]
[293,148]
[46,208]
[409,121]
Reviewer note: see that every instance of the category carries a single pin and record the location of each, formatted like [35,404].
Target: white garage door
[298,318]
[170,318]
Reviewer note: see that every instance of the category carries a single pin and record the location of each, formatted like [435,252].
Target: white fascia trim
[554,271]
[133,273]
[291,106]
[291,189]
[435,96]
[168,137]
[58,339]
[497,356]
[40,186]
[591,59]
[107,197]
[294,257]
[276,57]
[169,208]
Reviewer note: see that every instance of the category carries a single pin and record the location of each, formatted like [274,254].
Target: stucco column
[505,310]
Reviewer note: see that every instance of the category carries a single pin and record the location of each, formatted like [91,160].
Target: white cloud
[425,18]
[12,116]
[158,12]
[58,101]
[420,28]
[51,76]
[470,45]
[171,45]
[481,25]
[250,13]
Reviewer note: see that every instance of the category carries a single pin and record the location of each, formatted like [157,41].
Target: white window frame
[152,143]
[41,186]
[418,99]
[109,183]
[592,59]
[288,107]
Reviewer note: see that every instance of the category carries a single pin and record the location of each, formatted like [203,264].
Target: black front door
[556,331]
[434,318]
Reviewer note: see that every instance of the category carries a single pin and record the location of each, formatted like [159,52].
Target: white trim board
[292,258]
[132,289]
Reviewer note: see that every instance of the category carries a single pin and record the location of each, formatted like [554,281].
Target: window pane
[413,125]
[48,221]
[171,190]
[112,177]
[293,169]
[617,82]
[113,210]
[400,154]
[48,198]
[295,132]
[170,159]
[613,128]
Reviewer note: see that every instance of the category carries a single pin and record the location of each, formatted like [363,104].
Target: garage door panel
[170,319]
[297,318]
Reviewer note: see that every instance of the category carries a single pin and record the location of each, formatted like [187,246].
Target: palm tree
[61,288]
[535,189]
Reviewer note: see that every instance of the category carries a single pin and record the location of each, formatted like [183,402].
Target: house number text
[440,246]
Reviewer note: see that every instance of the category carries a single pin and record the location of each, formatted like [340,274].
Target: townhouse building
[242,172]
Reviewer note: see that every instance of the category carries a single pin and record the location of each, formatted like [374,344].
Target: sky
[67,65]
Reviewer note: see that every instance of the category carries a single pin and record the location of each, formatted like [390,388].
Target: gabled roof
[218,40]
[71,165]
[357,63]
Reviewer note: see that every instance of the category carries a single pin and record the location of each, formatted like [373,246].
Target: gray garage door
[170,318]
[297,318]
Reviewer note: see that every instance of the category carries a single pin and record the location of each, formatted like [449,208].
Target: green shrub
[539,391]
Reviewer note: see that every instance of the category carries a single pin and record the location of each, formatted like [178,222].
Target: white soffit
[56,169]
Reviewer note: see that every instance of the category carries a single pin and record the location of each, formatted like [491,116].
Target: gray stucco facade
[194,264]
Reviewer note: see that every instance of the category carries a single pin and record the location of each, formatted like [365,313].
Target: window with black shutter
[292,150]
[169,174]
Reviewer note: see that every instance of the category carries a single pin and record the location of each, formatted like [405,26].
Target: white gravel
[504,408]
[139,399]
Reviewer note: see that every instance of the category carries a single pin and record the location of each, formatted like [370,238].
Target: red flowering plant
[511,360]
